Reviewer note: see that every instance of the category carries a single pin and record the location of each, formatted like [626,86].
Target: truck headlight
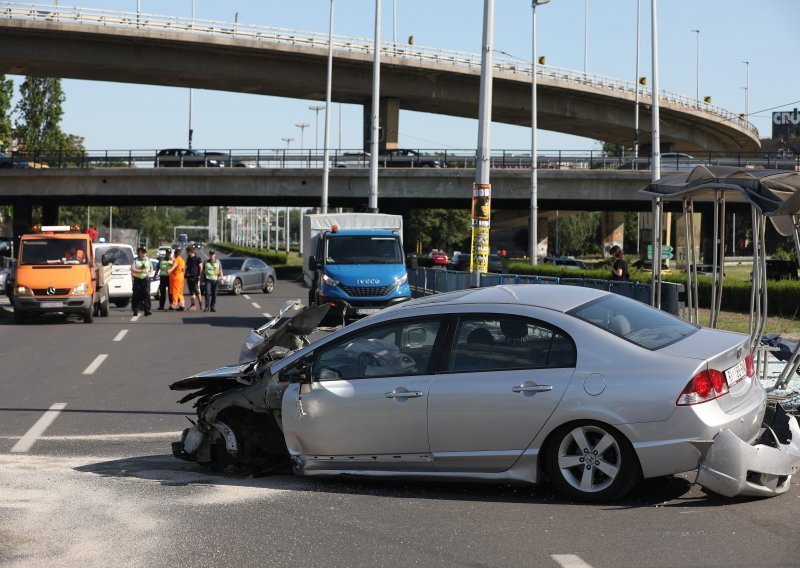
[328,281]
[22,291]
[81,288]
[400,281]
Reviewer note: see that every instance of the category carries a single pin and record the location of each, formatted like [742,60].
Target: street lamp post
[585,35]
[327,137]
[191,131]
[534,230]
[316,109]
[747,90]
[697,81]
[302,126]
[636,85]
[375,119]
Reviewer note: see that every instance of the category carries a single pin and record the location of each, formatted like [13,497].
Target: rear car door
[502,380]
[366,407]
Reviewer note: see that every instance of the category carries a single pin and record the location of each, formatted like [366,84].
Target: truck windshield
[53,251]
[364,249]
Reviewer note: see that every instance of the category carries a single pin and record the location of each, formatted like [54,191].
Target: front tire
[121,302]
[236,289]
[590,461]
[88,316]
[269,285]
[19,317]
[104,305]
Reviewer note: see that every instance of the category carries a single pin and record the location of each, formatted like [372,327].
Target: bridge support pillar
[389,119]
[613,229]
[49,214]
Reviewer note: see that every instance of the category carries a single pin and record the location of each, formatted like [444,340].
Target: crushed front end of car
[239,405]
[733,467]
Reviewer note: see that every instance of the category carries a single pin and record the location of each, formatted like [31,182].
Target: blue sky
[122,116]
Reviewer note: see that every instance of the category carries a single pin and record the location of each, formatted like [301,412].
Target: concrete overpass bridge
[126,47]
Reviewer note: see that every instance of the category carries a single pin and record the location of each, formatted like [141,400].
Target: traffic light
[542,60]
[643,81]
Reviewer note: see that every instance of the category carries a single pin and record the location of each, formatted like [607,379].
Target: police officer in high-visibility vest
[212,272]
[163,280]
[140,269]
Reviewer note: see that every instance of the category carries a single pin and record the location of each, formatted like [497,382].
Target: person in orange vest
[163,285]
[176,282]
[140,270]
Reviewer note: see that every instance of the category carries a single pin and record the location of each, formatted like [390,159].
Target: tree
[6,93]
[439,228]
[40,111]
[577,234]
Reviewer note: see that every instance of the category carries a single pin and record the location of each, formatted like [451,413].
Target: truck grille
[58,292]
[363,291]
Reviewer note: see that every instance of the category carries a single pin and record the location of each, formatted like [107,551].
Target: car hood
[366,274]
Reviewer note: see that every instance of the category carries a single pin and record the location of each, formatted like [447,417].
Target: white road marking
[245,296]
[95,364]
[135,318]
[107,437]
[267,315]
[29,439]
[121,335]
[570,561]
[256,306]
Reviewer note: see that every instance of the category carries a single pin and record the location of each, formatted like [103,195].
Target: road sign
[666,252]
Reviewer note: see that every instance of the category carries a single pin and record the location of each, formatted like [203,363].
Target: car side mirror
[103,260]
[248,268]
[300,374]
[413,262]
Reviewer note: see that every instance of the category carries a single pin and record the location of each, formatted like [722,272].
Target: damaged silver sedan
[588,389]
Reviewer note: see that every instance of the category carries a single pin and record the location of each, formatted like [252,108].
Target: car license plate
[735,373]
[52,304]
[367,311]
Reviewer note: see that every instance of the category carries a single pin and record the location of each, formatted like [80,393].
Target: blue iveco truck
[354,262]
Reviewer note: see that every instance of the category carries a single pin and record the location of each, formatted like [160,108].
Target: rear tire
[269,285]
[590,461]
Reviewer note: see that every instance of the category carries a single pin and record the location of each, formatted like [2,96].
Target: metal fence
[428,281]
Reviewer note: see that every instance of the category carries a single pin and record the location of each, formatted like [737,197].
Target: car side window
[258,264]
[497,343]
[247,264]
[397,349]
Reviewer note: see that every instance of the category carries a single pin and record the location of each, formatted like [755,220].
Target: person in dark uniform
[619,270]
[163,280]
[140,270]
[194,267]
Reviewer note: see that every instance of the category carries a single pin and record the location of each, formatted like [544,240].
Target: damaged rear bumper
[732,467]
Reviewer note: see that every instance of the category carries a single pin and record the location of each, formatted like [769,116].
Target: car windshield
[634,321]
[117,256]
[364,249]
[229,264]
[53,251]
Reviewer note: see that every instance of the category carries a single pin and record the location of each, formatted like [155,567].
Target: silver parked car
[246,274]
[589,389]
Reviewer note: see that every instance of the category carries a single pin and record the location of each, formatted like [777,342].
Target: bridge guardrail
[429,281]
[503,63]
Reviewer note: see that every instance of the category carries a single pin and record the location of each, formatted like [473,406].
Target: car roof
[553,297]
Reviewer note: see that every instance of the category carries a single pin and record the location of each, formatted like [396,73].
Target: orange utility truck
[57,272]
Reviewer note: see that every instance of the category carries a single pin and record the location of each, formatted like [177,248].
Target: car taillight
[704,386]
[750,365]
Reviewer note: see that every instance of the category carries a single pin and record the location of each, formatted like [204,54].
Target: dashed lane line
[105,437]
[121,335]
[29,439]
[95,364]
[267,315]
[570,561]
[135,318]
[245,296]
[256,306]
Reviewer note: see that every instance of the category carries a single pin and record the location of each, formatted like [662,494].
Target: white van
[120,256]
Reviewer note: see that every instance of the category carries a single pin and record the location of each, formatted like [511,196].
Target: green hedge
[783,295]
[271,257]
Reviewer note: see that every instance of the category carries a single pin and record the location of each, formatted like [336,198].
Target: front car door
[366,406]
[504,377]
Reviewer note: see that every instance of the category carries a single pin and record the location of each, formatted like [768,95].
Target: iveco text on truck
[354,262]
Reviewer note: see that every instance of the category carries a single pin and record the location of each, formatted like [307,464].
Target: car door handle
[532,388]
[403,394]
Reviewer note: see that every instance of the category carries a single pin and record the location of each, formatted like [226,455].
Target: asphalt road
[98,486]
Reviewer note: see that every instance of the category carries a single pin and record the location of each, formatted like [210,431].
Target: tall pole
[747,90]
[286,230]
[482,189]
[534,228]
[697,71]
[316,109]
[302,126]
[191,131]
[326,166]
[636,85]
[656,168]
[394,22]
[585,35]
[374,130]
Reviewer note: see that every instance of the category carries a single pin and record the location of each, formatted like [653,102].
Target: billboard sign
[785,124]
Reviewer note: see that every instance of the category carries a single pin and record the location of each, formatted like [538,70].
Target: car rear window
[118,256]
[634,321]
